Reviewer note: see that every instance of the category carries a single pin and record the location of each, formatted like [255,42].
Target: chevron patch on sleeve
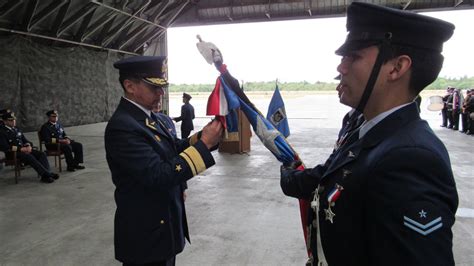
[423,218]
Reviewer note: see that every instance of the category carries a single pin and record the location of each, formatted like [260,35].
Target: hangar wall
[79,82]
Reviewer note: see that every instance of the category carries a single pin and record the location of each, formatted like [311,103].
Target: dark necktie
[353,137]
[350,135]
[153,117]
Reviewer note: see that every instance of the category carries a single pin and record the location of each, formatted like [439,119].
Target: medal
[329,214]
[332,197]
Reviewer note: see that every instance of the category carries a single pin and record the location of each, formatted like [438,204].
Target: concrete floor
[236,211]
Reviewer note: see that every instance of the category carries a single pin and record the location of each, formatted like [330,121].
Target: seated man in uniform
[52,133]
[12,139]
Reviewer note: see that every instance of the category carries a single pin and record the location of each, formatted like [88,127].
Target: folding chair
[56,152]
[11,160]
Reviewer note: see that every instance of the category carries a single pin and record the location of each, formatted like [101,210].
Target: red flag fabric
[217,103]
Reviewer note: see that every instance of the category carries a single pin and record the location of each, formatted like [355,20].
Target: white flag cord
[319,247]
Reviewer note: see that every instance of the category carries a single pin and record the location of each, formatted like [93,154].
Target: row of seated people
[14,143]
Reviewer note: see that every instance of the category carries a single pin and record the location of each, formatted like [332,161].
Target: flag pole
[213,56]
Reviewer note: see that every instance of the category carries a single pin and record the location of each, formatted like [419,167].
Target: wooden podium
[242,143]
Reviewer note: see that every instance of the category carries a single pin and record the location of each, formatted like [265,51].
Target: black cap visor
[352,46]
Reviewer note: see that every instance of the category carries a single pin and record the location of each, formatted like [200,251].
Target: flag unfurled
[277,114]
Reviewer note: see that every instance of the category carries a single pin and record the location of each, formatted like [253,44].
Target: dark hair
[425,67]
[133,78]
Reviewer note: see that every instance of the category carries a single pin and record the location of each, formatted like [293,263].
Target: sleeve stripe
[190,162]
[197,159]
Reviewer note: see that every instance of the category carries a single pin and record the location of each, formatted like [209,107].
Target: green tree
[439,84]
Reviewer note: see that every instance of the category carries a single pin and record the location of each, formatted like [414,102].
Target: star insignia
[329,214]
[267,136]
[351,154]
[178,168]
[346,173]
[422,214]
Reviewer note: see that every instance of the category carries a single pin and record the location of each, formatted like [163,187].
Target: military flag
[276,113]
[273,140]
[222,103]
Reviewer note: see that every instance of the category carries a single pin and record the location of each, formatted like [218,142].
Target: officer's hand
[290,166]
[29,149]
[211,133]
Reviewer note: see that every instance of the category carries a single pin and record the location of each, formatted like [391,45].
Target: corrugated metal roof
[129,26]
[207,12]
[124,26]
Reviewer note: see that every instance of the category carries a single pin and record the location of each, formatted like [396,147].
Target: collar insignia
[150,124]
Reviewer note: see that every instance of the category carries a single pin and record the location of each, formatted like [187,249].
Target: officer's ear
[129,86]
[400,66]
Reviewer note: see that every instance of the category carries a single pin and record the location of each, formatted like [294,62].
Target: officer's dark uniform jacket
[52,133]
[168,122]
[12,139]
[187,116]
[387,212]
[148,168]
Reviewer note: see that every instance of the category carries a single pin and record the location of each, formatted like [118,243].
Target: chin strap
[384,53]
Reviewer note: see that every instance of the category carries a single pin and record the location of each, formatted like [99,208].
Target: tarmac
[237,213]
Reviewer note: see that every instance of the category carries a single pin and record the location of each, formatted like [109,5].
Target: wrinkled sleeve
[411,204]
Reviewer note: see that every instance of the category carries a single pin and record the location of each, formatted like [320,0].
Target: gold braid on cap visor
[157,81]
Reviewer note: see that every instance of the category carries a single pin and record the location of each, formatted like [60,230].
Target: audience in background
[13,141]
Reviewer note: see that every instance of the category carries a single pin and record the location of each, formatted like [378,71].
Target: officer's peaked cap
[8,115]
[152,69]
[4,111]
[187,96]
[370,24]
[52,112]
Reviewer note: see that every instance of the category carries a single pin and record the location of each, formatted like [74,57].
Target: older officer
[12,139]
[149,167]
[52,133]
[187,116]
[387,196]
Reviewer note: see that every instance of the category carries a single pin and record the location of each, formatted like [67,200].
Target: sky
[293,51]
